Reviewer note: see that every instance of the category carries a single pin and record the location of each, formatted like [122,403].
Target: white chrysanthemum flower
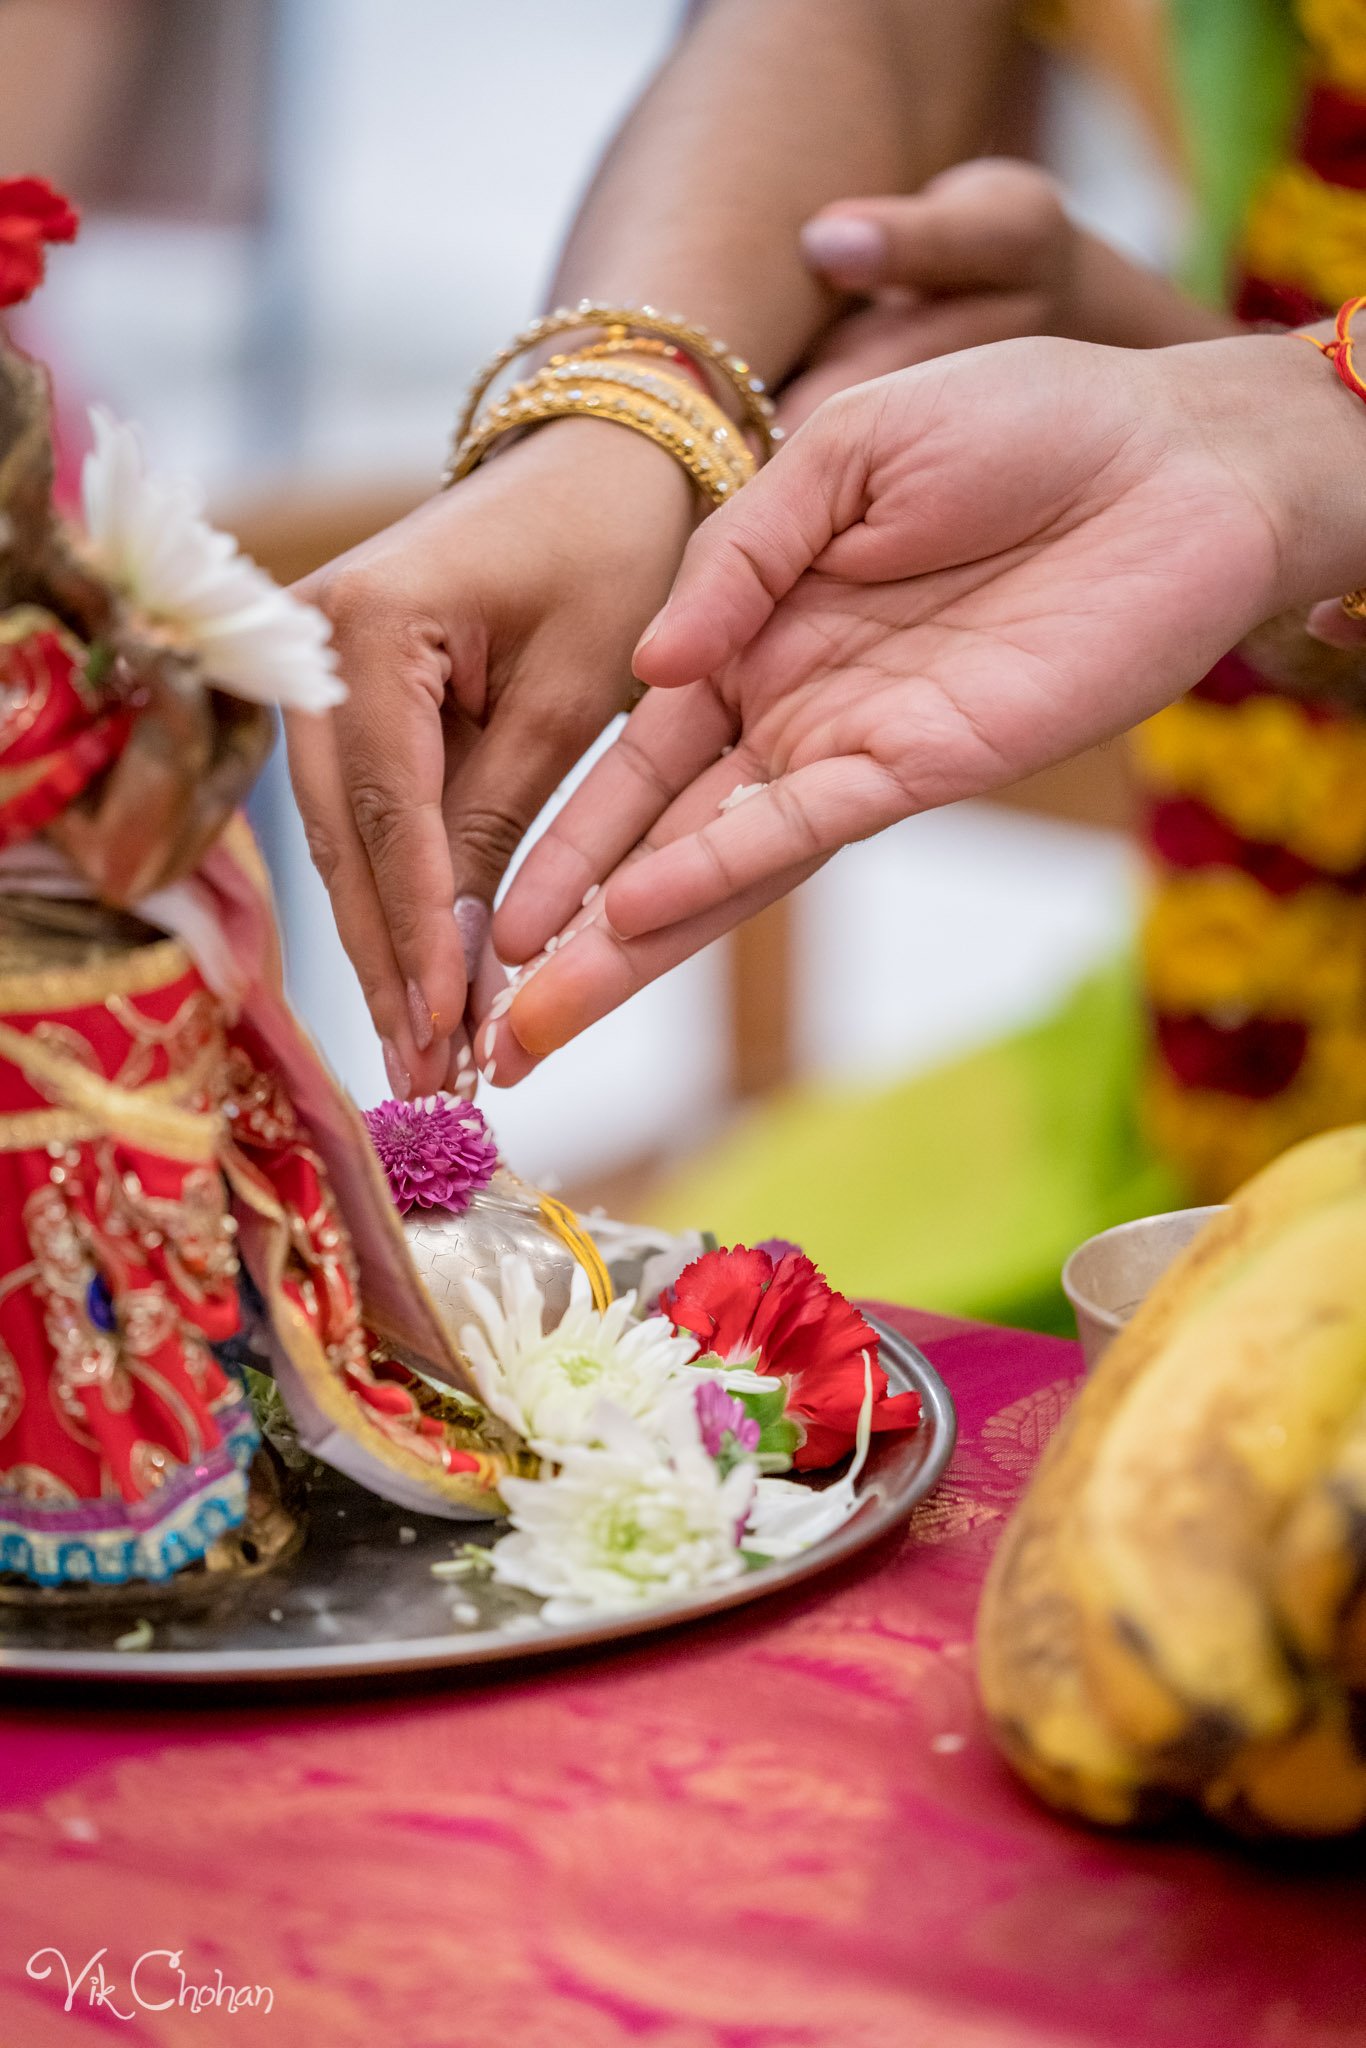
[193,584]
[548,1385]
[630,1522]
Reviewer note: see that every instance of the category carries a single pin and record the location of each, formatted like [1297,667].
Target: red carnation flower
[31,215]
[783,1318]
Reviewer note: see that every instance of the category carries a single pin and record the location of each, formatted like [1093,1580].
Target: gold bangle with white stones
[699,413]
[677,418]
[617,325]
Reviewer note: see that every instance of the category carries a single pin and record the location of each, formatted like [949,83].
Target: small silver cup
[1107,1277]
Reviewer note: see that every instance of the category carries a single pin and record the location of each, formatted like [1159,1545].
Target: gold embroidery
[11,1392]
[1014,1438]
[150,1465]
[192,1234]
[84,1358]
[18,781]
[23,695]
[30,1130]
[192,1042]
[150,1125]
[266,1245]
[258,1105]
[68,1043]
[146,1321]
[111,974]
[24,620]
[37,1487]
[191,1231]
[950,1511]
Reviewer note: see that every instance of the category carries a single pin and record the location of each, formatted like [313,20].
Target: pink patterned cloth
[785,1829]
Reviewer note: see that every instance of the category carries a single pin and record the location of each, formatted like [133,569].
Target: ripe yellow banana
[1309,1782]
[1030,1661]
[1198,1467]
[1318,1574]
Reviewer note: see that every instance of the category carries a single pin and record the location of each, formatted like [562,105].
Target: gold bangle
[619,323]
[717,470]
[671,388]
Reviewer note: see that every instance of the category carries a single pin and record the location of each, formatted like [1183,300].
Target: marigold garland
[1254,944]
[1218,1140]
[1216,941]
[1336,32]
[1305,232]
[1274,771]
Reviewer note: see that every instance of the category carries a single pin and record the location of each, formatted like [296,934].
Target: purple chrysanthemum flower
[721,1415]
[437,1152]
[777,1248]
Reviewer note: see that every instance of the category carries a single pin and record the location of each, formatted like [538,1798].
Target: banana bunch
[1177,1610]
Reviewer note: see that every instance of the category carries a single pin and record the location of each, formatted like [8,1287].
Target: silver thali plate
[361,1599]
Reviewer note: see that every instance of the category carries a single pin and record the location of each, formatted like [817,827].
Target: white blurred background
[287,275]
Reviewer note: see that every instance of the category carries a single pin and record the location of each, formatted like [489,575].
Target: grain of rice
[740,794]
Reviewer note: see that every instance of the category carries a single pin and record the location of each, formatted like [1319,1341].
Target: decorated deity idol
[174,1157]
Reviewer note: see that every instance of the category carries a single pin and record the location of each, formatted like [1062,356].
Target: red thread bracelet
[1340,352]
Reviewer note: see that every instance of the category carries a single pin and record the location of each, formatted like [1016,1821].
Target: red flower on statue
[31,215]
[783,1318]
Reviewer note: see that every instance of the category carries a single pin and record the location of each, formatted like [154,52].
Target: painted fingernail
[421,1016]
[854,248]
[400,1080]
[472,923]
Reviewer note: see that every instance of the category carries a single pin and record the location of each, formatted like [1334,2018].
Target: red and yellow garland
[1254,944]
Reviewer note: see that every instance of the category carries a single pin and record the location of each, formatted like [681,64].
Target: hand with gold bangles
[947,579]
[491,632]
[486,639]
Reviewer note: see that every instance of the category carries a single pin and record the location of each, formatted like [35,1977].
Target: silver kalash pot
[507,1216]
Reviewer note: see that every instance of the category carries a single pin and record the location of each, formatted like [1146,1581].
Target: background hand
[985,252]
[486,642]
[944,582]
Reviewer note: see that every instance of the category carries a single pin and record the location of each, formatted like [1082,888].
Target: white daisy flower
[192,583]
[629,1522]
[549,1385]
